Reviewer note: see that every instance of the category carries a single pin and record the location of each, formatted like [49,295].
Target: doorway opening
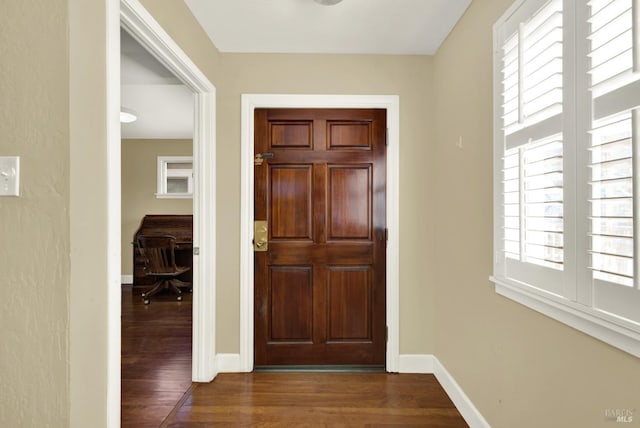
[135,19]
[156,154]
[141,26]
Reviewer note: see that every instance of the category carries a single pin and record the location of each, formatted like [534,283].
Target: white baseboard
[409,363]
[228,363]
[464,405]
[430,364]
[126,279]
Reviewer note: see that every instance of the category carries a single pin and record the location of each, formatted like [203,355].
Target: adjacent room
[157,203]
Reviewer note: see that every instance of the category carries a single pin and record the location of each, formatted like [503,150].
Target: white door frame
[146,30]
[249,103]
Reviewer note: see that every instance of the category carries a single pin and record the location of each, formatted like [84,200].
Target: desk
[180,226]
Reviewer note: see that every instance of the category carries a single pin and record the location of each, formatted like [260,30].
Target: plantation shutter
[532,103]
[615,92]
[532,77]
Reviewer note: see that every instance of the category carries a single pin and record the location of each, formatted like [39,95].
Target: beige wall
[139,185]
[34,228]
[520,368]
[407,76]
[90,284]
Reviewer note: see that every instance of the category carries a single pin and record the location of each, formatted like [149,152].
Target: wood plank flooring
[156,357]
[318,400]
[157,392]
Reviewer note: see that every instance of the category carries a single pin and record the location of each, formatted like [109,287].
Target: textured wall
[139,177]
[520,368]
[34,228]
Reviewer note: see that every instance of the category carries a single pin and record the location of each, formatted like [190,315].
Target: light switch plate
[9,176]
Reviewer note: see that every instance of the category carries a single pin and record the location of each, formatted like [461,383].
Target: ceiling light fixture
[327,2]
[127,115]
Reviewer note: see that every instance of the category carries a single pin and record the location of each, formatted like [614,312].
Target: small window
[175,177]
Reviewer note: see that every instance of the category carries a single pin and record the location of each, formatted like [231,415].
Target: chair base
[172,284]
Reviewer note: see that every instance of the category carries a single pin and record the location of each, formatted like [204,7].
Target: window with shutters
[531,107]
[567,177]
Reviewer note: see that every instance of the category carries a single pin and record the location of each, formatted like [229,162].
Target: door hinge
[196,251]
[386,141]
[386,334]
[386,236]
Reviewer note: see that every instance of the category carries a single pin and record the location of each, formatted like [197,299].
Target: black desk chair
[158,252]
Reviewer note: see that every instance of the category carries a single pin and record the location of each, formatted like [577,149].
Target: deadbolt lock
[260,157]
[260,236]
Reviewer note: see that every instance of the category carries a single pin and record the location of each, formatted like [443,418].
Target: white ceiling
[165,106]
[411,27]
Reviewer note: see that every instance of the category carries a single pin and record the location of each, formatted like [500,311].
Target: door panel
[349,304]
[291,202]
[291,304]
[320,288]
[349,135]
[291,134]
[349,202]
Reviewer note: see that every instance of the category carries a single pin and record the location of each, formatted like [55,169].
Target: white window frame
[571,301]
[164,174]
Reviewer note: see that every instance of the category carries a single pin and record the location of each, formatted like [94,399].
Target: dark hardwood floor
[156,357]
[318,400]
[157,392]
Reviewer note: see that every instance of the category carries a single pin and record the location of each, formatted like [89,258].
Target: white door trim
[249,103]
[146,30]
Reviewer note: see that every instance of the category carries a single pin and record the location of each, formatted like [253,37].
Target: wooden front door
[320,285]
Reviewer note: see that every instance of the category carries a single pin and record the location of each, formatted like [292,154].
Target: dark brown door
[320,286]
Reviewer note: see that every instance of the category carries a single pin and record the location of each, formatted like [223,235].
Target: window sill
[174,195]
[587,320]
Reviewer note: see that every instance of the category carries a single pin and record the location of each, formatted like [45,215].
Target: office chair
[158,252]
